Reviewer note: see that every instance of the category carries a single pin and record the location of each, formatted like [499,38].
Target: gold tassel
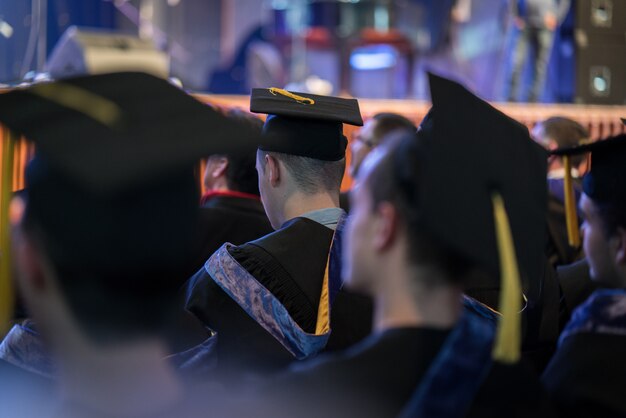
[508,337]
[299,99]
[571,218]
[322,325]
[6,191]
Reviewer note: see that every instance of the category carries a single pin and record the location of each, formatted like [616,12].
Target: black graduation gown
[290,263]
[24,352]
[231,219]
[587,376]
[378,377]
[576,286]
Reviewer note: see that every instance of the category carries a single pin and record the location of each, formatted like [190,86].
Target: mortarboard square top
[475,151]
[606,181]
[275,101]
[304,124]
[116,130]
[112,182]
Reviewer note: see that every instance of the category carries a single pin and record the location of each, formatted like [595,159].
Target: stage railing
[601,121]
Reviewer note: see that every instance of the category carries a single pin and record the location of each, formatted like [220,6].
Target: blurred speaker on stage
[535,22]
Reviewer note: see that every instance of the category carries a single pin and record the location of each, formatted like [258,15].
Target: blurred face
[29,269]
[357,252]
[362,144]
[21,257]
[360,268]
[600,249]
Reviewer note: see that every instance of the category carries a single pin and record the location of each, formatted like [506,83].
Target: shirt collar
[327,216]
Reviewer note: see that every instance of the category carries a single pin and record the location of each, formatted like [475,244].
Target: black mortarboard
[112,185]
[477,150]
[606,181]
[481,167]
[116,130]
[303,124]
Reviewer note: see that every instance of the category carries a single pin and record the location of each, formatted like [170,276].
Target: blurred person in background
[554,133]
[274,300]
[99,236]
[370,136]
[231,208]
[535,22]
[587,375]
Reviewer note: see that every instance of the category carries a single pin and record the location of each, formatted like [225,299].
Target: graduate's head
[106,225]
[372,133]
[449,192]
[384,228]
[114,259]
[561,132]
[235,171]
[285,178]
[304,156]
[603,206]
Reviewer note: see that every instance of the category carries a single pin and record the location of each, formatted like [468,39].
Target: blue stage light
[375,57]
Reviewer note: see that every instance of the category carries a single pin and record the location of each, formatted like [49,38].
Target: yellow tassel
[571,218]
[323,311]
[6,191]
[322,325]
[299,99]
[508,337]
[96,107]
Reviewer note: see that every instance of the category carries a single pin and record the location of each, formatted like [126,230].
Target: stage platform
[601,121]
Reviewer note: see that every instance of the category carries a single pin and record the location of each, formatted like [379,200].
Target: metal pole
[298,14]
[42,37]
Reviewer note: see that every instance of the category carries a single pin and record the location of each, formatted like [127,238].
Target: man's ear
[386,227]
[220,167]
[620,242]
[273,170]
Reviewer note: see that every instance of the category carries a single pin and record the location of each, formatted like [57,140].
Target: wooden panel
[23,151]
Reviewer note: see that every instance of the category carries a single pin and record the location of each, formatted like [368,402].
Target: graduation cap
[606,175]
[604,183]
[483,193]
[112,185]
[303,124]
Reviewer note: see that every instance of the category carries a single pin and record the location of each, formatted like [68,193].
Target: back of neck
[418,305]
[299,204]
